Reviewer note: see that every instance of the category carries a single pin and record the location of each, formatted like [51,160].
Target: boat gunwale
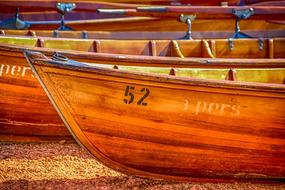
[140,35]
[172,61]
[153,77]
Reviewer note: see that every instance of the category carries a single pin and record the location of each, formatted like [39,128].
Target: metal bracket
[59,57]
[231,44]
[260,44]
[241,14]
[84,34]
[63,9]
[55,34]
[188,19]
[14,23]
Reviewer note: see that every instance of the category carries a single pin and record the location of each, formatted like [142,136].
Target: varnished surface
[55,16]
[205,12]
[184,128]
[154,24]
[110,22]
[276,31]
[23,100]
[25,113]
[49,5]
[219,48]
[29,5]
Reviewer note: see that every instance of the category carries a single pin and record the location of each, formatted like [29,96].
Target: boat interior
[272,75]
[141,35]
[218,48]
[260,75]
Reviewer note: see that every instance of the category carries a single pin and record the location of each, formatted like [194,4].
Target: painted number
[146,93]
[129,96]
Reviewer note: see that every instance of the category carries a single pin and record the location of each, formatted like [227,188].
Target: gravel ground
[68,166]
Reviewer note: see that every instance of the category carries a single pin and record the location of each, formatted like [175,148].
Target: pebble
[68,166]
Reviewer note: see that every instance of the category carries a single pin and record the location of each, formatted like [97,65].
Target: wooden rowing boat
[21,97]
[163,126]
[200,28]
[158,18]
[275,32]
[212,48]
[50,5]
[9,6]
[25,114]
[204,12]
[224,27]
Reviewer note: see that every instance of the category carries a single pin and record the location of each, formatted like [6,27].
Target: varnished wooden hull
[50,5]
[212,48]
[9,6]
[221,18]
[86,22]
[140,35]
[154,24]
[25,114]
[105,22]
[170,127]
[23,101]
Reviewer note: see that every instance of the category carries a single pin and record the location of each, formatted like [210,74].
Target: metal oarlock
[260,43]
[64,8]
[59,57]
[84,34]
[188,19]
[14,23]
[231,43]
[241,15]
[55,34]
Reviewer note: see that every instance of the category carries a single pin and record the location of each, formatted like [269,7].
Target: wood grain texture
[9,6]
[205,12]
[91,21]
[221,48]
[184,128]
[26,111]
[50,5]
[156,24]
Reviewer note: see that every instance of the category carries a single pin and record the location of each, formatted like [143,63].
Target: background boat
[99,16]
[136,35]
[50,5]
[166,25]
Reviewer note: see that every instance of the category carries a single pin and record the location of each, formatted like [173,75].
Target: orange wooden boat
[10,6]
[21,87]
[165,17]
[22,98]
[276,31]
[171,127]
[205,12]
[209,27]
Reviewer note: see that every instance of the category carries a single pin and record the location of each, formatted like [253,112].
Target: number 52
[129,95]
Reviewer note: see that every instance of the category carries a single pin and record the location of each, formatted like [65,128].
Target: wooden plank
[203,124]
